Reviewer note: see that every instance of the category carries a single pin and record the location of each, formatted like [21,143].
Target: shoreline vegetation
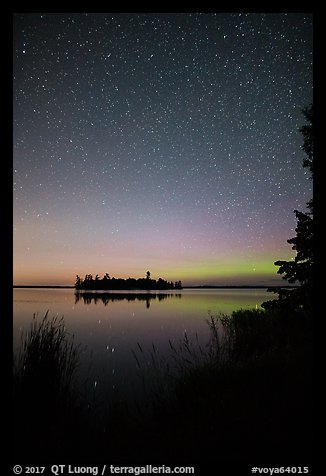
[246,392]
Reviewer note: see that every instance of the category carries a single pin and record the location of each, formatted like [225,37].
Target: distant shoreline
[243,286]
[42,286]
[184,287]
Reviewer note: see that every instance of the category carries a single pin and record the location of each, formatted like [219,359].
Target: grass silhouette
[247,391]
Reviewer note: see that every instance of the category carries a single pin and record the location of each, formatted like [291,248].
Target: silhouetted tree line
[300,269]
[107,283]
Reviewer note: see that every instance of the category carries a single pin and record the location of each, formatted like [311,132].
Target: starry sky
[166,142]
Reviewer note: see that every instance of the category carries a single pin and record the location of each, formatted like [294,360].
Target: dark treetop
[107,283]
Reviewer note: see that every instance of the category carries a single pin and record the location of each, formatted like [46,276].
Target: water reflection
[110,332]
[94,297]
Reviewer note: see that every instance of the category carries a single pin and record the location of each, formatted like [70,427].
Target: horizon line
[197,286]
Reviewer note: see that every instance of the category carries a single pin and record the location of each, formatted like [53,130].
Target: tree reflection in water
[106,297]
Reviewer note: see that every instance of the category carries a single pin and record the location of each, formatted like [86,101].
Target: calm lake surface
[109,326]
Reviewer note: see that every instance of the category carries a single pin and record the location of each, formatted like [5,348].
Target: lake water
[111,327]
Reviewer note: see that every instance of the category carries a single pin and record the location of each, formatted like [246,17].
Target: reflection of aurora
[89,297]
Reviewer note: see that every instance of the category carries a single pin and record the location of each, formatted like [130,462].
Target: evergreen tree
[300,269]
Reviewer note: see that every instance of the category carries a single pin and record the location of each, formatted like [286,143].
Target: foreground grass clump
[47,360]
[45,403]
[251,334]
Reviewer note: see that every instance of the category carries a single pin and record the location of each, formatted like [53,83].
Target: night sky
[166,142]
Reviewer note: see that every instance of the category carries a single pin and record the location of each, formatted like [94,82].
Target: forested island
[106,283]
